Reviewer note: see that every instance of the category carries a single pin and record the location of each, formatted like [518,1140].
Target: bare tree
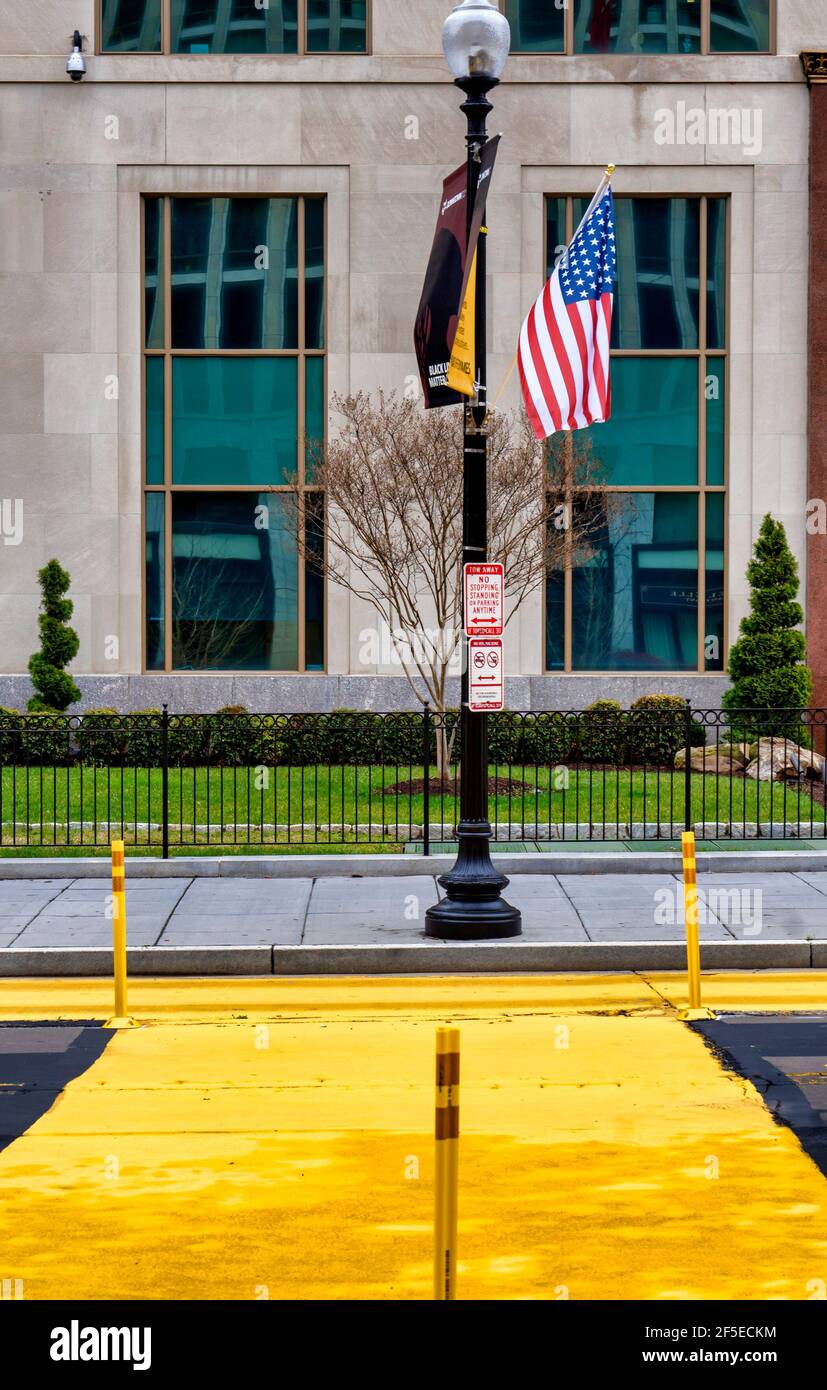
[393,481]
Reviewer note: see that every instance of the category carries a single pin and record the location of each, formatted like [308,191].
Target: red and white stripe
[563,360]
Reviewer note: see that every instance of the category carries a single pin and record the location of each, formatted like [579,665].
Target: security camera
[76,65]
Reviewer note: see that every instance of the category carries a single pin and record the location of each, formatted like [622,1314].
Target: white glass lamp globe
[476,38]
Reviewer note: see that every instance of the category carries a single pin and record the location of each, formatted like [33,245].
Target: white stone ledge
[619,69]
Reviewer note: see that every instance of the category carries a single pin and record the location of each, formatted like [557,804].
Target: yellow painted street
[274,1138]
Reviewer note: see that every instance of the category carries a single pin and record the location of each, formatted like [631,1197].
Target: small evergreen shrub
[549,738]
[10,740]
[101,738]
[188,741]
[657,729]
[603,733]
[58,644]
[142,745]
[235,737]
[767,662]
[47,738]
[506,739]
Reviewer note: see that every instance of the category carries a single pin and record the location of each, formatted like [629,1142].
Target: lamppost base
[472,909]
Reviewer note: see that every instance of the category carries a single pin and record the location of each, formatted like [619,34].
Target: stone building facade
[201,243]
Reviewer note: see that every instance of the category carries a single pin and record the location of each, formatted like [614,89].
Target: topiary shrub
[766,663]
[657,729]
[10,739]
[603,733]
[58,644]
[101,738]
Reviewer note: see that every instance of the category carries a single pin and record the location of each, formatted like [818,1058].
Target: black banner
[94,1343]
[447,277]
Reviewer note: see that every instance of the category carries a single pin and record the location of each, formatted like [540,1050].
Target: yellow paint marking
[186,999]
[205,1157]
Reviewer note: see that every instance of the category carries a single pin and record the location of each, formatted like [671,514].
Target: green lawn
[225,805]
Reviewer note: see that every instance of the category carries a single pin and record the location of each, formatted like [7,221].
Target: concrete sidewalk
[346,924]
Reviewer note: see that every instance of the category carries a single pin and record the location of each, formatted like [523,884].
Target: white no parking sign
[485,673]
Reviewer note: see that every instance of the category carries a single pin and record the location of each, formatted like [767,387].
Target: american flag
[563,353]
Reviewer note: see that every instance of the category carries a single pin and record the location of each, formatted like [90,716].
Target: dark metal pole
[473,908]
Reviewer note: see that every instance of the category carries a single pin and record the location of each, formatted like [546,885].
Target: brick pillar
[815,68]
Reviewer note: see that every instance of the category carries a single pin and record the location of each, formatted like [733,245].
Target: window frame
[168,488]
[701,489]
[568,49]
[166,50]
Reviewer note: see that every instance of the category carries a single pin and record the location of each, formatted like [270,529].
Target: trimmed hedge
[650,732]
[101,738]
[46,737]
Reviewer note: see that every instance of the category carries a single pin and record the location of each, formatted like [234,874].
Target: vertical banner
[462,369]
[448,290]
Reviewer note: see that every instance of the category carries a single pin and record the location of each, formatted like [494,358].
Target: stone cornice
[815,67]
[523,69]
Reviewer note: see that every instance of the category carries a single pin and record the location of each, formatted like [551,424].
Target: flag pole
[608,174]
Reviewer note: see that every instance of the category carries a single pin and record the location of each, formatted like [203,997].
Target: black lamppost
[475,39]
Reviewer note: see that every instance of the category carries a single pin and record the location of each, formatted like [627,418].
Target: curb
[431,958]
[411,866]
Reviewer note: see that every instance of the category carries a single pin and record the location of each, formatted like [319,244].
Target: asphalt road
[36,1062]
[785,1058]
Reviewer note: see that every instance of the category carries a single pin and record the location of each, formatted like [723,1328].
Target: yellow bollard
[120,1018]
[693,945]
[447,1164]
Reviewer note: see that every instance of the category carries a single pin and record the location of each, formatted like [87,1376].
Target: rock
[778,758]
[722,759]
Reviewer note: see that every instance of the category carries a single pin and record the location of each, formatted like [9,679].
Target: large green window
[130,26]
[234,404]
[640,26]
[639,583]
[233,26]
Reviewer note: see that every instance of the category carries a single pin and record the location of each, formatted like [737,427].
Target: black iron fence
[234,780]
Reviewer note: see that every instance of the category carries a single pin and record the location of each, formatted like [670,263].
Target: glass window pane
[740,26]
[234,26]
[154,430]
[235,582]
[635,585]
[715,393]
[716,224]
[652,436]
[658,266]
[336,26]
[556,557]
[537,26]
[314,583]
[131,26]
[234,273]
[314,395]
[234,420]
[314,272]
[637,26]
[555,231]
[153,272]
[154,581]
[714,623]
